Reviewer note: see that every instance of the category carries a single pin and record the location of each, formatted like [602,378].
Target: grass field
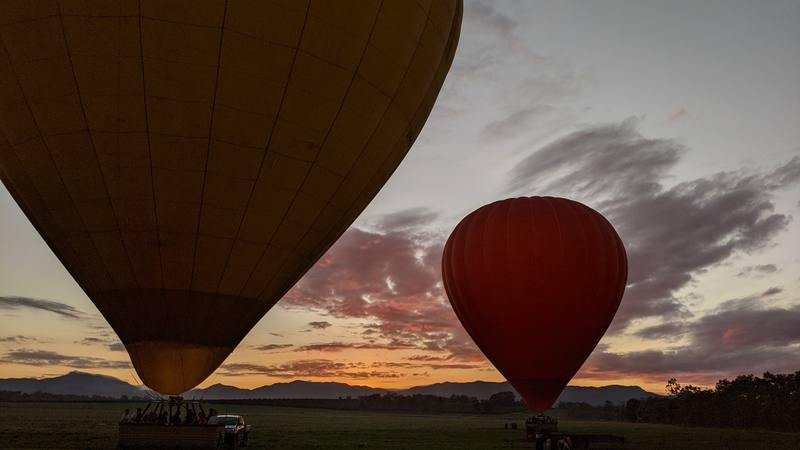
[94,425]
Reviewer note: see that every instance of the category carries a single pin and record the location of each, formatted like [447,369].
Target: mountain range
[87,384]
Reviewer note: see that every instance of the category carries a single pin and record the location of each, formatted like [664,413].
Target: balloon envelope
[188,161]
[535,282]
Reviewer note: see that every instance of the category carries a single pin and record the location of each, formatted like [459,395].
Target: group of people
[541,419]
[163,418]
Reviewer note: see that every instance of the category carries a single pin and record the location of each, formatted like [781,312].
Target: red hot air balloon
[535,281]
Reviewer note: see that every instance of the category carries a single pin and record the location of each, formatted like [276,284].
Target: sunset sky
[679,121]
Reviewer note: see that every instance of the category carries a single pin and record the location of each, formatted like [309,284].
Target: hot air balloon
[535,282]
[189,160]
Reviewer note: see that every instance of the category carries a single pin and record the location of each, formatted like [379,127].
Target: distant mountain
[479,389]
[484,389]
[74,383]
[294,389]
[219,391]
[86,384]
[599,395]
[310,389]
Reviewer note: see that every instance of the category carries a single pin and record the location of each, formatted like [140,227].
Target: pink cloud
[318,368]
[392,278]
[677,116]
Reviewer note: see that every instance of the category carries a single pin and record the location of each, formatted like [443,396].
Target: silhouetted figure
[191,418]
[138,417]
[126,416]
[176,418]
[162,419]
[201,419]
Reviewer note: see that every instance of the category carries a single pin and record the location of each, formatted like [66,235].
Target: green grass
[94,425]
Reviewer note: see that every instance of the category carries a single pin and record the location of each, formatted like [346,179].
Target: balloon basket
[543,431]
[541,425]
[162,424]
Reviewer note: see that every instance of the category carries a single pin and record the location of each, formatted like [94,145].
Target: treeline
[771,402]
[585,411]
[502,402]
[17,396]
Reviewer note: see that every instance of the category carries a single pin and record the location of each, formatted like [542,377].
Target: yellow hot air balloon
[189,160]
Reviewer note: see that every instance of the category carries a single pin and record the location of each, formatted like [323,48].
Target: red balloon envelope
[535,282]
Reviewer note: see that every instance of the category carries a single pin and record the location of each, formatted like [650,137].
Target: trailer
[543,430]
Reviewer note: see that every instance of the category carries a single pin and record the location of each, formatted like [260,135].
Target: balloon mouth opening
[539,395]
[172,368]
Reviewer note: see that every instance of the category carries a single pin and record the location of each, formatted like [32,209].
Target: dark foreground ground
[93,425]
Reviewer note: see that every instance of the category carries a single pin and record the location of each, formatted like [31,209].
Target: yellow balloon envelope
[189,160]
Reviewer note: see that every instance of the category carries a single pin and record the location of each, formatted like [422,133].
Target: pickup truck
[236,430]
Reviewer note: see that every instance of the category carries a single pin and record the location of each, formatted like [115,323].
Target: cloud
[494,55]
[319,325]
[271,347]
[671,233]
[760,269]
[741,336]
[391,280]
[677,116]
[107,340]
[18,339]
[340,346]
[317,368]
[48,358]
[772,291]
[409,365]
[669,331]
[429,358]
[62,309]
[515,122]
[406,219]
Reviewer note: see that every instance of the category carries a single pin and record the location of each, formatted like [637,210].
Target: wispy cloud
[515,122]
[745,335]
[677,116]
[758,270]
[50,358]
[109,341]
[18,339]
[116,347]
[314,368]
[272,347]
[340,346]
[62,309]
[406,219]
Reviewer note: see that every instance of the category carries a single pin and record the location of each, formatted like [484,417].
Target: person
[191,417]
[138,417]
[201,418]
[162,418]
[126,416]
[176,418]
